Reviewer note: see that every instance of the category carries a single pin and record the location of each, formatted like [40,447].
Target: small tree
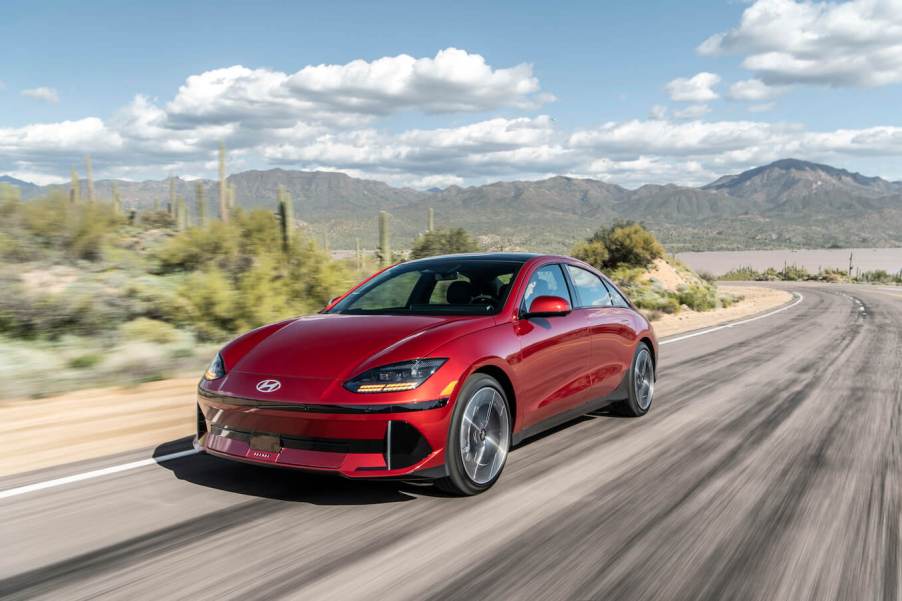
[593,252]
[627,244]
[443,242]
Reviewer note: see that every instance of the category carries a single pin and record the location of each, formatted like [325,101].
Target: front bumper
[357,441]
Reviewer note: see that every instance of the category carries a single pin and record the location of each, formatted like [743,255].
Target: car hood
[335,345]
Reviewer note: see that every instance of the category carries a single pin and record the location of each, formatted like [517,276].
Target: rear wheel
[641,383]
[478,438]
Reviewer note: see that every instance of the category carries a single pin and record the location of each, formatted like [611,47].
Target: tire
[481,416]
[640,384]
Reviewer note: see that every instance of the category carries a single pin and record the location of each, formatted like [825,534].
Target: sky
[429,94]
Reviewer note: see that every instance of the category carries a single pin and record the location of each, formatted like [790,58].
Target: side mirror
[548,306]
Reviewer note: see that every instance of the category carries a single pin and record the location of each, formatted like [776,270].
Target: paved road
[769,468]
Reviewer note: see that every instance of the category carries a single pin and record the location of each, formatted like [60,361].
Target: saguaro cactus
[359,255]
[117,201]
[430,220]
[75,189]
[181,213]
[286,216]
[384,240]
[90,176]
[223,191]
[201,202]
[173,205]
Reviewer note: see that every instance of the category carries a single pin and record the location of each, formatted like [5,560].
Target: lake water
[865,259]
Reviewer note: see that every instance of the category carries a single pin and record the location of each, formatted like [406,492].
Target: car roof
[486,256]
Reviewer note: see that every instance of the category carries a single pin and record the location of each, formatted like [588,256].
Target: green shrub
[625,243]
[443,242]
[150,330]
[698,298]
[593,252]
[85,361]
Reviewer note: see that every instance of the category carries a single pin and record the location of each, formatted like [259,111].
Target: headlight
[395,377]
[216,369]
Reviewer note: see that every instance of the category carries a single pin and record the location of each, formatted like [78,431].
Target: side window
[546,281]
[616,298]
[590,290]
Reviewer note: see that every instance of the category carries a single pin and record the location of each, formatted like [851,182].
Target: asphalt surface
[768,468]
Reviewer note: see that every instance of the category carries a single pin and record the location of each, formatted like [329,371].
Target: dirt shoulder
[755,299]
[41,433]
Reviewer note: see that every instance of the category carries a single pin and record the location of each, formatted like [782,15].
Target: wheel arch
[503,378]
[651,349]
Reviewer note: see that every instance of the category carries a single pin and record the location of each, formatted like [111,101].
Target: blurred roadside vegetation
[91,296]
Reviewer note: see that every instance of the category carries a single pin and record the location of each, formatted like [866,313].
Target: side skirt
[618,394]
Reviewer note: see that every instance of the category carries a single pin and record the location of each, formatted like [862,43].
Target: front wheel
[641,383]
[478,438]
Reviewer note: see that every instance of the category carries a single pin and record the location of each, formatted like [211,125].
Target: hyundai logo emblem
[268,385]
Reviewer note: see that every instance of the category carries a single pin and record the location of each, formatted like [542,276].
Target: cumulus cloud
[698,88]
[42,93]
[856,43]
[350,94]
[754,90]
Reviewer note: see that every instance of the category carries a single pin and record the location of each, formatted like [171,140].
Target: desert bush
[742,274]
[86,361]
[626,244]
[698,298]
[593,252]
[151,330]
[443,242]
[795,273]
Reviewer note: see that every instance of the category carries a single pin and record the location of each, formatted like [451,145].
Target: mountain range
[788,203]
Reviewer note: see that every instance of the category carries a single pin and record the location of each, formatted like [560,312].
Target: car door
[629,324]
[554,351]
[606,326]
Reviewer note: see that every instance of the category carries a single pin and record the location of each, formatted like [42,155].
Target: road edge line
[798,300]
[105,471]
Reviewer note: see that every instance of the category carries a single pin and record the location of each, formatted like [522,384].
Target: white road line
[735,323]
[114,469]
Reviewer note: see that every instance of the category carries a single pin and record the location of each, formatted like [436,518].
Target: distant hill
[27,189]
[788,203]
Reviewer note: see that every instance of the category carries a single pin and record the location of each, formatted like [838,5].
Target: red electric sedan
[430,369]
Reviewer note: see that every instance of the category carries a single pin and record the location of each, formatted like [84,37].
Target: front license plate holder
[266,442]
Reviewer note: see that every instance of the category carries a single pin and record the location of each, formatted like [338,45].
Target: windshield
[439,287]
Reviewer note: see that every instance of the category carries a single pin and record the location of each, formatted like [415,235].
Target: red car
[430,369]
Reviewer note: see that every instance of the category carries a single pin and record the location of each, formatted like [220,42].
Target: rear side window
[546,281]
[590,290]
[616,298]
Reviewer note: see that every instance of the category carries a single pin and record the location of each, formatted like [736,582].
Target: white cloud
[698,88]
[453,81]
[42,93]
[658,112]
[754,90]
[633,138]
[353,93]
[693,111]
[856,43]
